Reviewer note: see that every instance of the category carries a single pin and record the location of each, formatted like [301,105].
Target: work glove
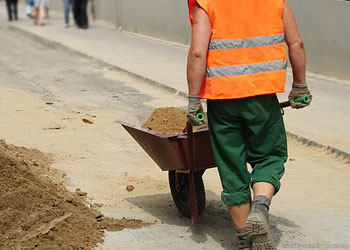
[194,107]
[298,90]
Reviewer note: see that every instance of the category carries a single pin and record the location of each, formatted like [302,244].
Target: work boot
[258,225]
[244,239]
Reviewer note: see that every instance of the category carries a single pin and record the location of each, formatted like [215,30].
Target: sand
[169,121]
[37,212]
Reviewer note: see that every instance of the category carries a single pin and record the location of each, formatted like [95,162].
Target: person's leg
[46,10]
[229,149]
[74,11]
[66,11]
[28,9]
[41,12]
[9,11]
[239,213]
[83,13]
[267,143]
[93,10]
[36,15]
[266,153]
[77,10]
[36,11]
[264,189]
[15,9]
[32,7]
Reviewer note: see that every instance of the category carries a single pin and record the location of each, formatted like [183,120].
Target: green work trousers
[248,130]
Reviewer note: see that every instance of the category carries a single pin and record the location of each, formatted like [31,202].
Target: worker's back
[247,52]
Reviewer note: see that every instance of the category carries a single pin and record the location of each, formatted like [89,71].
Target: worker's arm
[197,55]
[295,44]
[197,61]
[297,57]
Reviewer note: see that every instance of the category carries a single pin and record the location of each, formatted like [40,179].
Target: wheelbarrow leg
[191,189]
[192,199]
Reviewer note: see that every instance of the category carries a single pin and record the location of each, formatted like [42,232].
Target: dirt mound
[169,121]
[37,213]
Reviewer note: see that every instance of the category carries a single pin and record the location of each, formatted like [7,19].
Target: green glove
[299,90]
[194,107]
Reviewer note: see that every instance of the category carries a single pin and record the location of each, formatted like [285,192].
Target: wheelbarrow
[185,156]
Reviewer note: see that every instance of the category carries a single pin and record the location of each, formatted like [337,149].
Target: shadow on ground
[215,221]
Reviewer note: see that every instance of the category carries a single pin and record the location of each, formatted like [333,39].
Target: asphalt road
[310,212]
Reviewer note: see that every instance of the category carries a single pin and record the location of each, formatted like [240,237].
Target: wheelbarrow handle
[189,128]
[284,104]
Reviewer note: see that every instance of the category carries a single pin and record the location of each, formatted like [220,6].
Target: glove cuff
[193,97]
[299,85]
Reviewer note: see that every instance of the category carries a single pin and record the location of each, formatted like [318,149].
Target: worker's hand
[194,107]
[299,90]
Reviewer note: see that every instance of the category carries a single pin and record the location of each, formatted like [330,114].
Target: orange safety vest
[247,53]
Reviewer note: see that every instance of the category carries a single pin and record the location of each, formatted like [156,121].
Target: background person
[39,6]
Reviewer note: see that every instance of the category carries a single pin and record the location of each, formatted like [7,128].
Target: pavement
[325,123]
[43,101]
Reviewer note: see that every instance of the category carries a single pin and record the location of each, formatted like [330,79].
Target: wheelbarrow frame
[188,154]
[191,170]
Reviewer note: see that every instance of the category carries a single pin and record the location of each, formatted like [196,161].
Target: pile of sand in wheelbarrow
[169,121]
[39,213]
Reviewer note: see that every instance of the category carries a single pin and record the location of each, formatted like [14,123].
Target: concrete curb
[329,149]
[51,43]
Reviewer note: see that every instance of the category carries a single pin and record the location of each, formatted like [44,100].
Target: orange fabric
[192,3]
[240,19]
[245,18]
[241,86]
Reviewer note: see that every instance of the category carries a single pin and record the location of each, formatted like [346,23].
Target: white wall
[324,25]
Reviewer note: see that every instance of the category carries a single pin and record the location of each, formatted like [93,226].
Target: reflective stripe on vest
[246,69]
[246,42]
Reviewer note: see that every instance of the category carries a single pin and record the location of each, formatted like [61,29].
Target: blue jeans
[67,4]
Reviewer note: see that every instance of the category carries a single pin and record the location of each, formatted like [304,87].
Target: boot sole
[261,235]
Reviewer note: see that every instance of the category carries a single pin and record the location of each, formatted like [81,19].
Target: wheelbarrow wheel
[179,193]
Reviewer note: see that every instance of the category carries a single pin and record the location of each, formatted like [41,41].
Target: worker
[237,61]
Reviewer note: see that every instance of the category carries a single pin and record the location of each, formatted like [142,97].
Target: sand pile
[38,213]
[168,121]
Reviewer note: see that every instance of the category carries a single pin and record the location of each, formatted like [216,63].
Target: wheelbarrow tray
[171,152]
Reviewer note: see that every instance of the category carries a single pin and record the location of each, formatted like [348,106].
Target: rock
[98,216]
[75,202]
[130,188]
[53,126]
[97,205]
[80,193]
[87,121]
[69,199]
